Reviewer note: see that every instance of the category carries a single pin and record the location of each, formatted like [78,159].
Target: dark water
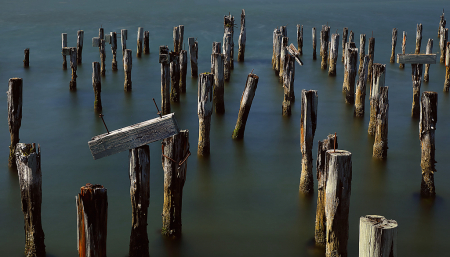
[243,200]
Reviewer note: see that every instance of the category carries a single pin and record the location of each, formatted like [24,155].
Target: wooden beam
[133,136]
[416,58]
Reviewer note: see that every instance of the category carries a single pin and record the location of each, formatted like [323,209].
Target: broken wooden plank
[133,136]
[416,58]
[294,52]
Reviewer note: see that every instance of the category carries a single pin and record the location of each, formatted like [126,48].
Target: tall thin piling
[283,53]
[140,38]
[308,123]
[101,35]
[371,56]
[441,23]
[344,41]
[314,43]
[418,38]
[228,25]
[362,52]
[443,43]
[379,73]
[245,105]
[175,77]
[204,111]
[127,65]
[123,40]
[242,38]
[377,236]
[97,85]
[351,36]
[215,50]
[447,68]
[26,59]
[324,38]
[300,38]
[417,82]
[73,67]
[427,127]
[426,76]
[178,34]
[219,103]
[360,95]
[114,50]
[227,54]
[333,54]
[64,44]
[80,37]
[183,70]
[350,72]
[146,42]
[402,65]
[193,53]
[14,93]
[393,44]
[288,84]
[164,59]
[380,144]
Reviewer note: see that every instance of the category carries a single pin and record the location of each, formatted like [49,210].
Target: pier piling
[245,105]
[204,111]
[427,127]
[14,93]
[377,236]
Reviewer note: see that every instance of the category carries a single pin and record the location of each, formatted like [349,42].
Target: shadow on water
[172,246]
[306,202]
[313,249]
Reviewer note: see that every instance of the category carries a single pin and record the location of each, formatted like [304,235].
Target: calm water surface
[243,200]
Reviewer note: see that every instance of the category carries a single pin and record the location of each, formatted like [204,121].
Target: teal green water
[243,200]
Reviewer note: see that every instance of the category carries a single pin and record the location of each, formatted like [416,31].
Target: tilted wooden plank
[133,136]
[96,41]
[66,51]
[294,52]
[416,58]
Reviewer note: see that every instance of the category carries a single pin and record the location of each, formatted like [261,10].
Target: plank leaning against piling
[245,105]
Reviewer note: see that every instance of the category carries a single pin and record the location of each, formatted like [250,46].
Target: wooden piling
[379,73]
[300,38]
[14,93]
[127,65]
[277,53]
[314,42]
[360,96]
[228,25]
[97,85]
[275,34]
[123,40]
[140,38]
[402,65]
[28,161]
[324,38]
[443,43]
[183,70]
[380,144]
[320,225]
[371,56]
[164,59]
[101,35]
[427,127]
[362,52]
[140,199]
[283,53]
[447,68]
[26,59]
[350,74]
[175,77]
[288,84]
[73,67]
[351,36]
[193,53]
[114,50]
[242,38]
[219,103]
[174,162]
[308,123]
[204,111]
[418,38]
[92,214]
[215,50]
[417,82]
[178,34]
[441,23]
[146,42]
[64,44]
[344,41]
[426,76]
[333,54]
[80,37]
[245,105]
[337,202]
[377,236]
[393,44]
[227,54]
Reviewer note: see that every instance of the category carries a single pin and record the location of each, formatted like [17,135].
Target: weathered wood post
[175,77]
[324,38]
[28,161]
[379,74]
[275,43]
[127,65]
[227,56]
[80,37]
[447,68]
[300,38]
[174,162]
[418,38]
[308,123]
[427,127]
[344,41]
[394,43]
[242,38]
[101,35]
[402,65]
[288,84]
[204,111]
[193,53]
[360,96]
[123,40]
[351,36]
[140,199]
[377,236]
[73,66]
[219,103]
[113,42]
[337,202]
[333,54]
[14,93]
[426,76]
[97,85]
[380,144]
[320,225]
[215,50]
[140,38]
[371,58]
[146,42]
[350,72]
[283,53]
[245,105]
[64,45]
[362,52]
[92,216]
[314,43]
[443,43]
[277,51]
[178,34]
[441,23]
[26,59]
[183,70]
[164,59]
[228,25]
